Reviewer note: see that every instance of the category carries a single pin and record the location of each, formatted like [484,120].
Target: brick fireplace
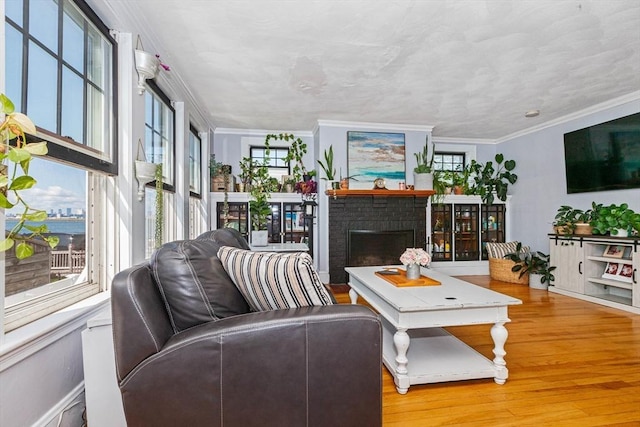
[374,229]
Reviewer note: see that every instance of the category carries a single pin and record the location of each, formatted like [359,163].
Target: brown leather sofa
[310,366]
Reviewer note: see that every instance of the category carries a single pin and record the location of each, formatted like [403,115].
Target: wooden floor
[571,363]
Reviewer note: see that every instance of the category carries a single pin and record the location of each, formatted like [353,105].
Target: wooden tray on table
[400,280]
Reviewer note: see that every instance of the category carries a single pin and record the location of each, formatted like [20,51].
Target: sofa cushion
[225,237]
[499,250]
[193,284]
[271,281]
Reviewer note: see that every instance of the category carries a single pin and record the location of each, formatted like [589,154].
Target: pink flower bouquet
[415,256]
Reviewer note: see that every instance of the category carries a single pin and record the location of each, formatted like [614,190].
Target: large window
[60,71]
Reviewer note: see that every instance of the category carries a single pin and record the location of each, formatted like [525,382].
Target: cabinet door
[441,222]
[568,257]
[492,220]
[295,229]
[237,217]
[635,298]
[274,223]
[466,240]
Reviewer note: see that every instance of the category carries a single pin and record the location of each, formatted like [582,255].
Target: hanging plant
[15,149]
[159,208]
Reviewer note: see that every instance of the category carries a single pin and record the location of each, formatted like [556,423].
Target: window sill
[29,339]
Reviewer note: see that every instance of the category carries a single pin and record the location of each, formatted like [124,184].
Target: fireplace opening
[374,247]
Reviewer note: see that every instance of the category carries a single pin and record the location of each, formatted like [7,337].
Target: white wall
[541,186]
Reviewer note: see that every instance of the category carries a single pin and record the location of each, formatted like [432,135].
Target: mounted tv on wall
[604,157]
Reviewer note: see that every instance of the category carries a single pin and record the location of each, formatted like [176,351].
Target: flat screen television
[603,157]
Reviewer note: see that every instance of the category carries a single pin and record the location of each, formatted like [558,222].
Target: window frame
[197,163]
[97,165]
[61,148]
[450,153]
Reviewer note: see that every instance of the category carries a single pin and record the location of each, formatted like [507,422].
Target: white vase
[535,282]
[259,238]
[413,271]
[622,232]
[422,181]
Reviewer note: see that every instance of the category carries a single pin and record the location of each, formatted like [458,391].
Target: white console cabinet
[600,269]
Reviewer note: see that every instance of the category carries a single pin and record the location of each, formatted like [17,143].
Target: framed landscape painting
[372,155]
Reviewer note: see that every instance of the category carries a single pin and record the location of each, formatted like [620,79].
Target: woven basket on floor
[500,269]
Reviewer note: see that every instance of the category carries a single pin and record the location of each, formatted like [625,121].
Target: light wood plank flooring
[571,363]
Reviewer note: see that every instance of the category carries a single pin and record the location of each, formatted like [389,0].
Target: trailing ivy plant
[490,180]
[159,208]
[15,149]
[296,152]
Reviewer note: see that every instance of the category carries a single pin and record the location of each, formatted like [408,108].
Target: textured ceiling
[469,68]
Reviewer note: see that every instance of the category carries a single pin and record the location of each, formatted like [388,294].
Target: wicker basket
[500,269]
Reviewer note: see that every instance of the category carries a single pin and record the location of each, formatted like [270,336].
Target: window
[159,148]
[59,68]
[278,167]
[196,217]
[449,161]
[195,163]
[60,71]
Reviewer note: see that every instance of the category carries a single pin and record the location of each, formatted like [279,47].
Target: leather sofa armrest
[305,366]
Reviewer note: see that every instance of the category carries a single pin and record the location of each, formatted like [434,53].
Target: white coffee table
[416,350]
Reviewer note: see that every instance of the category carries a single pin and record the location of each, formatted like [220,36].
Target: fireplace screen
[373,247]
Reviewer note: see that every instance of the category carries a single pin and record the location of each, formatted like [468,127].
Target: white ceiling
[470,68]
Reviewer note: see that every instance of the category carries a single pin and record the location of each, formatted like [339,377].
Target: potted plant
[288,184]
[584,226]
[423,172]
[536,264]
[329,169]
[15,149]
[262,185]
[247,168]
[566,219]
[490,181]
[617,220]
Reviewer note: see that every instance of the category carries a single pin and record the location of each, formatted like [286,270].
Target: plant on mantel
[15,149]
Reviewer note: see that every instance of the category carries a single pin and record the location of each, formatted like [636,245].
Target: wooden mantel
[380,193]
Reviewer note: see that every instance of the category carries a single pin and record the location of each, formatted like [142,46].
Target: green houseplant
[423,172]
[566,219]
[16,151]
[490,180]
[535,263]
[262,185]
[617,220]
[329,169]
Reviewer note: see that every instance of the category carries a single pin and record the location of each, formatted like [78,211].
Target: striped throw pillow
[272,281]
[499,250]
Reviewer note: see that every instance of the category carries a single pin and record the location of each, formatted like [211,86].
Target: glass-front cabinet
[286,224]
[460,227]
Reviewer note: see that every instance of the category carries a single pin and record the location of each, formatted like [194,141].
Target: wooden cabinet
[460,227]
[568,257]
[600,269]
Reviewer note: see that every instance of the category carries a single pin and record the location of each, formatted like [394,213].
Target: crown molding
[616,102]
[375,126]
[449,140]
[260,132]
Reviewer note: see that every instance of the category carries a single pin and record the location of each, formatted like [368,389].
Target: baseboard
[74,400]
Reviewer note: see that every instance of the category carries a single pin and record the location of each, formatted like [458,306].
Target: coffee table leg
[499,334]
[353,295]
[401,341]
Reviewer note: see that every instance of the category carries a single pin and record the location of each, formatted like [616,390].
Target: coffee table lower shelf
[434,356]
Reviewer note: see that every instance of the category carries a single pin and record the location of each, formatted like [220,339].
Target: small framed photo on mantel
[614,251]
